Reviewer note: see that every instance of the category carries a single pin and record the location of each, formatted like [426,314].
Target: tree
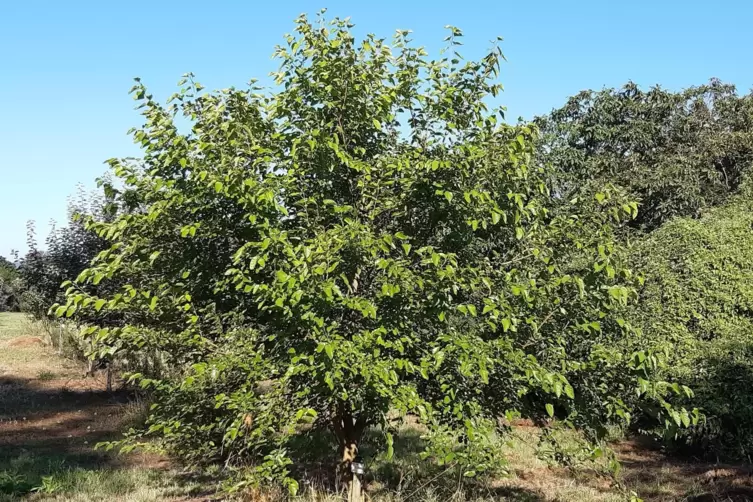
[365,239]
[9,286]
[5,263]
[69,250]
[677,153]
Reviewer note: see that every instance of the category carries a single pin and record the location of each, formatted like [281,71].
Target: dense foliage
[10,286]
[68,251]
[677,153]
[698,296]
[365,238]
[680,154]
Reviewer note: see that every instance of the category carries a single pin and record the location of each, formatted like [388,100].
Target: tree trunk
[109,378]
[352,481]
[348,434]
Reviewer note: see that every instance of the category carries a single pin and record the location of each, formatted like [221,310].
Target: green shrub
[698,297]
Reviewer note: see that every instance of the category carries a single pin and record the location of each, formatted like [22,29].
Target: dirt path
[46,404]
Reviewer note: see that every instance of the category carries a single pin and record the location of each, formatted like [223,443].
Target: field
[51,416]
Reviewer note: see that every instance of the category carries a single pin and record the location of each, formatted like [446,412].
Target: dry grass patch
[25,350]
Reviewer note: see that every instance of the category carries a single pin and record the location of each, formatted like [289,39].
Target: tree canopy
[9,285]
[677,153]
[366,237]
[69,249]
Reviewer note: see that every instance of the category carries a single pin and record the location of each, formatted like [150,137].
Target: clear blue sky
[66,66]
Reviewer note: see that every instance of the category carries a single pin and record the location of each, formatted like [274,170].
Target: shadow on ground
[406,476]
[47,427]
[662,476]
[667,478]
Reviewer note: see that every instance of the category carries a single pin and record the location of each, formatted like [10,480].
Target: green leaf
[292,485]
[390,446]
[550,409]
[569,391]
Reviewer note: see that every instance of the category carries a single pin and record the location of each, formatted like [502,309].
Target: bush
[698,297]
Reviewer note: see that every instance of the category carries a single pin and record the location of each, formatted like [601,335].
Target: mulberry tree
[366,239]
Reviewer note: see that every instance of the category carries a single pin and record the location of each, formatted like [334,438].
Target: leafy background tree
[683,156]
[676,153]
[366,239]
[69,250]
[10,287]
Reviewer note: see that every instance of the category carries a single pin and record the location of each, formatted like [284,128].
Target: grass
[51,478]
[51,416]
[46,375]
[646,471]
[27,349]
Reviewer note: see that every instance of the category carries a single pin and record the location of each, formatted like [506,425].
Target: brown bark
[349,432]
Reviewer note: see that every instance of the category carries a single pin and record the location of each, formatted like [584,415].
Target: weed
[13,483]
[46,376]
